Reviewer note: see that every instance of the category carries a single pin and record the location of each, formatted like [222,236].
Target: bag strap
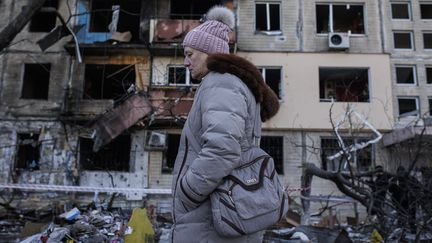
[256,131]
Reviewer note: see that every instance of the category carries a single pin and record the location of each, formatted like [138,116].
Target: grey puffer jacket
[221,118]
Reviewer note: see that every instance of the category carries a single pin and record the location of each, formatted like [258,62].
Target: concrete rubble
[85,225]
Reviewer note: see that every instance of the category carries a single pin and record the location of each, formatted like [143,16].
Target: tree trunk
[14,27]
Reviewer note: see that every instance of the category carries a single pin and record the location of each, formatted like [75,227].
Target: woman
[221,120]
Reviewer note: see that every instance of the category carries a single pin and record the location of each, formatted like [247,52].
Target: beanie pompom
[221,14]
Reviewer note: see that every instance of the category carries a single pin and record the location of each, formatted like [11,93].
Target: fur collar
[251,76]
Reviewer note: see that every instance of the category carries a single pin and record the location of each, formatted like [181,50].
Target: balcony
[166,35]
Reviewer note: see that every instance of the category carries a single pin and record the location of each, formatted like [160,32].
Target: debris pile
[75,225]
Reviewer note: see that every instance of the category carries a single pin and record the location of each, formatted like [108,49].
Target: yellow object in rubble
[142,230]
[376,237]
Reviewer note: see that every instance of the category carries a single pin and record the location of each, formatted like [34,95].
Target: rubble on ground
[86,225]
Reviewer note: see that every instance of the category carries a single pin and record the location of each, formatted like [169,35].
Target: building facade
[105,107]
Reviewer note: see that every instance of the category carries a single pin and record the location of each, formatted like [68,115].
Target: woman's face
[195,61]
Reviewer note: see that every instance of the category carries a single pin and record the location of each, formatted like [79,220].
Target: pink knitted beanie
[212,36]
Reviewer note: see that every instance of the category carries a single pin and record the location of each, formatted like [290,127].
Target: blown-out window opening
[114,156]
[36,81]
[44,21]
[170,153]
[267,16]
[273,78]
[340,18]
[103,81]
[191,9]
[109,16]
[344,84]
[28,154]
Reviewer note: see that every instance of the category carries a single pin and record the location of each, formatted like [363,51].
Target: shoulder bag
[251,198]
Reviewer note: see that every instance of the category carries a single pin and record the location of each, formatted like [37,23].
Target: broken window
[340,18]
[400,10]
[191,9]
[405,75]
[427,40]
[429,75]
[36,81]
[362,159]
[267,16]
[408,106]
[272,77]
[426,10]
[107,81]
[403,40]
[44,21]
[170,154]
[273,145]
[430,106]
[28,151]
[180,75]
[344,84]
[112,157]
[115,15]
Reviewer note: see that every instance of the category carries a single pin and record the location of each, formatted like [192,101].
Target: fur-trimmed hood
[251,76]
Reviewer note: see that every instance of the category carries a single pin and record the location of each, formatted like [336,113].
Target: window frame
[424,43]
[412,48]
[187,77]
[420,7]
[263,73]
[414,71]
[330,20]
[409,11]
[417,101]
[427,77]
[268,22]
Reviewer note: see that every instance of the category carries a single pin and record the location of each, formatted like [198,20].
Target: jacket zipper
[181,168]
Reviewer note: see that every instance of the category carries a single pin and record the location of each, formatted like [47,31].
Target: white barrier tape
[44,187]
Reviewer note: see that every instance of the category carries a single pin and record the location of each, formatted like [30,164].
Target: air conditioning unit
[155,140]
[338,41]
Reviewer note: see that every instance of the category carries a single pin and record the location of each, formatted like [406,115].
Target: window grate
[363,159]
[273,145]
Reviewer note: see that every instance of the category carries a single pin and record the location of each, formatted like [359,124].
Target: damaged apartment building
[104,107]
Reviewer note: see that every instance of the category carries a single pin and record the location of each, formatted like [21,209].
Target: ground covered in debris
[93,223]
[88,224]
